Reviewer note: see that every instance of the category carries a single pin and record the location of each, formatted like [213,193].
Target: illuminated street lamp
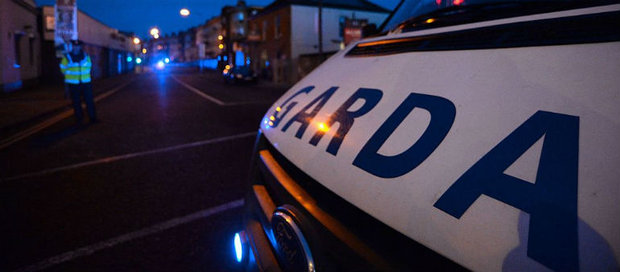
[143,50]
[136,40]
[221,46]
[220,37]
[154,32]
[184,12]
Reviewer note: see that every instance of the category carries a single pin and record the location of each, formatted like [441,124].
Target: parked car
[469,135]
[239,74]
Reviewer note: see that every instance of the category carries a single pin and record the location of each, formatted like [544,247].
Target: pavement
[22,108]
[156,186]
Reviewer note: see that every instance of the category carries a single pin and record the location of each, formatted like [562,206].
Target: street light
[184,12]
[154,32]
[136,40]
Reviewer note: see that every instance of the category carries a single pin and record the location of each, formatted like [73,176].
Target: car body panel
[494,92]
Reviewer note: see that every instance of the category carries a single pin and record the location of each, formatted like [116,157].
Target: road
[155,186]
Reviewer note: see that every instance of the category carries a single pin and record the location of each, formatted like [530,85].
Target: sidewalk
[23,108]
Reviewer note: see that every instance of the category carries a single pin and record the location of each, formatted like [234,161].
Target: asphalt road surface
[157,185]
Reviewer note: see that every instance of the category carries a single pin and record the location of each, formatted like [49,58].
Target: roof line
[278,4]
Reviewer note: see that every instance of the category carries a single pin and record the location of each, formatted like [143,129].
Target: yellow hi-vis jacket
[76,72]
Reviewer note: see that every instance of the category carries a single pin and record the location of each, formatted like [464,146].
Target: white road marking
[88,250]
[215,100]
[53,120]
[200,93]
[128,156]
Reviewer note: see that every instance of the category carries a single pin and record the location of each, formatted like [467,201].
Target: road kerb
[53,120]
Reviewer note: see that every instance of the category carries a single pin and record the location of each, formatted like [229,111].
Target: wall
[271,56]
[305,37]
[206,35]
[96,33]
[18,18]
[2,42]
[91,32]
[103,43]
[277,57]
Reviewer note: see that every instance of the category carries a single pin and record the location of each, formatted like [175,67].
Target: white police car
[479,135]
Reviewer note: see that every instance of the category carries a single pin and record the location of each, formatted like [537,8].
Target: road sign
[65,12]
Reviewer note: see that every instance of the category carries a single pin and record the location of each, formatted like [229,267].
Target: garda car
[470,135]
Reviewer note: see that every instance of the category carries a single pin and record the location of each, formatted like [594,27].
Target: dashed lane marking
[89,250]
[53,120]
[128,156]
[215,100]
[200,93]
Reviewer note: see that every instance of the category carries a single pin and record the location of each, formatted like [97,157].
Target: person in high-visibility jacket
[76,67]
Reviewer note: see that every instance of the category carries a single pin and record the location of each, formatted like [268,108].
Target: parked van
[470,135]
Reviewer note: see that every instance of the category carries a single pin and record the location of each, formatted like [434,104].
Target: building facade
[208,38]
[289,29]
[111,51]
[235,24]
[20,44]
[190,49]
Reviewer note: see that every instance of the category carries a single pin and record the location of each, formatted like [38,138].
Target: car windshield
[410,10]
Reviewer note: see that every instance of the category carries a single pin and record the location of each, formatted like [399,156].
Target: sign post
[66,30]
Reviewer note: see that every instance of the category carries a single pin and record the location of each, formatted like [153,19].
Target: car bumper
[340,237]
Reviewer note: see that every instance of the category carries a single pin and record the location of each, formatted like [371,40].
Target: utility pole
[321,29]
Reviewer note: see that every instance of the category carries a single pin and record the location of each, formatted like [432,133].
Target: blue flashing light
[167,60]
[138,60]
[129,59]
[160,65]
[239,58]
[238,247]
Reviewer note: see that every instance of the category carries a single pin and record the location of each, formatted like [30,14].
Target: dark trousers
[78,91]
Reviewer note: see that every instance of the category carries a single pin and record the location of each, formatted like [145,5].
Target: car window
[412,14]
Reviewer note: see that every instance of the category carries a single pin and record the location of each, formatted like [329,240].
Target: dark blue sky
[139,16]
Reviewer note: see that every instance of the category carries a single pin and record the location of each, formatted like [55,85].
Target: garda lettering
[551,201]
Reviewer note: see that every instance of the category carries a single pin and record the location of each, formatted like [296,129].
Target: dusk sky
[139,16]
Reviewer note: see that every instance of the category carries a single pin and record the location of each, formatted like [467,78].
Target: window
[264,30]
[18,49]
[50,23]
[341,23]
[31,47]
[277,27]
